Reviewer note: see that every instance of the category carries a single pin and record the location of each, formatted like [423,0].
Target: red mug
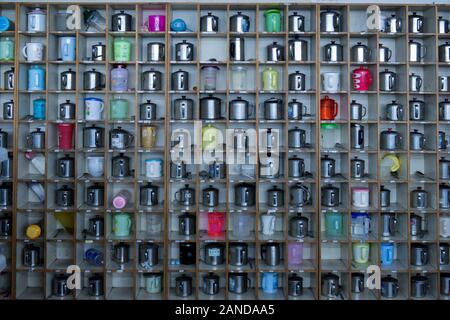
[328,109]
[216,223]
[362,79]
[65,136]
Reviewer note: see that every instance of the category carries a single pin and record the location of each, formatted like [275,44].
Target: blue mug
[6,24]
[178,25]
[94,257]
[67,46]
[269,282]
[39,109]
[387,254]
[36,78]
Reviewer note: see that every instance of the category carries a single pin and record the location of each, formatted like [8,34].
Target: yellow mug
[33,231]
[148,136]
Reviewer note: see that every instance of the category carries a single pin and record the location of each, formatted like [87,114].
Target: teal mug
[6,49]
[119,109]
[122,224]
[334,224]
[153,282]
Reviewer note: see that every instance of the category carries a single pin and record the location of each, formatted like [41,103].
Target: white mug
[33,51]
[360,197]
[153,168]
[331,81]
[93,109]
[268,224]
[95,165]
[444,226]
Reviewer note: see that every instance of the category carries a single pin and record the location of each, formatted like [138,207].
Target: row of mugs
[152,168]
[35,51]
[93,137]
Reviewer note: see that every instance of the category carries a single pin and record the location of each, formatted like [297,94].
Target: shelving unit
[322,252]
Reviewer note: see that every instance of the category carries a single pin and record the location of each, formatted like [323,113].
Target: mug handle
[25,51]
[251,110]
[419,83]
[263,251]
[28,140]
[389,56]
[335,110]
[176,197]
[364,112]
[424,52]
[305,109]
[131,139]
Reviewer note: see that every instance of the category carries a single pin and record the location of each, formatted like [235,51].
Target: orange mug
[328,109]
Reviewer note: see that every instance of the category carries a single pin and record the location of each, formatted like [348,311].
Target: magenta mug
[156,23]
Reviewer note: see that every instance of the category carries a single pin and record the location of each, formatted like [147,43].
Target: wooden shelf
[322,253]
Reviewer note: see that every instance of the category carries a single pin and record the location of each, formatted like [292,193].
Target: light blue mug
[39,109]
[67,48]
[269,282]
[36,78]
[387,253]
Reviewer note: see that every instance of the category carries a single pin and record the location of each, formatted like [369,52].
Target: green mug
[122,50]
[273,20]
[334,224]
[119,109]
[122,224]
[270,79]
[6,49]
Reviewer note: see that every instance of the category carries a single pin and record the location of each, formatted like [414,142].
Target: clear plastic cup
[210,77]
[241,223]
[239,78]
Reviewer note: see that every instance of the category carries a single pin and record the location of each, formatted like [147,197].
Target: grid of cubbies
[322,253]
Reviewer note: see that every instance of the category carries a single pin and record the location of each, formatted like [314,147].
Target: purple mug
[156,23]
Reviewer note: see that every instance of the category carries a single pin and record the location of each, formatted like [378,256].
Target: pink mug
[216,223]
[156,23]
